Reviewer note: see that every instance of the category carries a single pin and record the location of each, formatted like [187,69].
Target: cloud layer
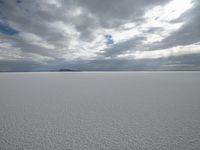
[99,34]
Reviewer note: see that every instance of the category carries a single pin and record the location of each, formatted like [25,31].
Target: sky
[99,35]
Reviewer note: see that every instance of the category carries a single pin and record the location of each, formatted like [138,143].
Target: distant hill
[67,70]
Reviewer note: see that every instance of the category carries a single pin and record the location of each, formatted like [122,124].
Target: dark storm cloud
[120,48]
[183,62]
[20,66]
[114,13]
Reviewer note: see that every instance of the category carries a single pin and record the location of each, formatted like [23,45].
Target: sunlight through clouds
[158,17]
[75,31]
[161,17]
[170,11]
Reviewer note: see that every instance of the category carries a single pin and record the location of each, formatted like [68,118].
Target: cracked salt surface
[100,111]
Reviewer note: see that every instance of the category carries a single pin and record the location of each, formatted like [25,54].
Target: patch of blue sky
[109,40]
[6,29]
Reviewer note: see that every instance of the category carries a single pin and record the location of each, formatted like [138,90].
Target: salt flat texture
[100,111]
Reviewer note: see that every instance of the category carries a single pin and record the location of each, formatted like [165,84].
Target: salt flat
[100,111]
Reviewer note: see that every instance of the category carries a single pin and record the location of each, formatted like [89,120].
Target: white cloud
[170,11]
[10,55]
[36,40]
[73,31]
[163,53]
[157,17]
[56,3]
[16,54]
[161,17]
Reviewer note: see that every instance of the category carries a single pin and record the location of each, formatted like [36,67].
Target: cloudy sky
[99,34]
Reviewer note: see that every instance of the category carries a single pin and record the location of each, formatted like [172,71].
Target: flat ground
[100,111]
